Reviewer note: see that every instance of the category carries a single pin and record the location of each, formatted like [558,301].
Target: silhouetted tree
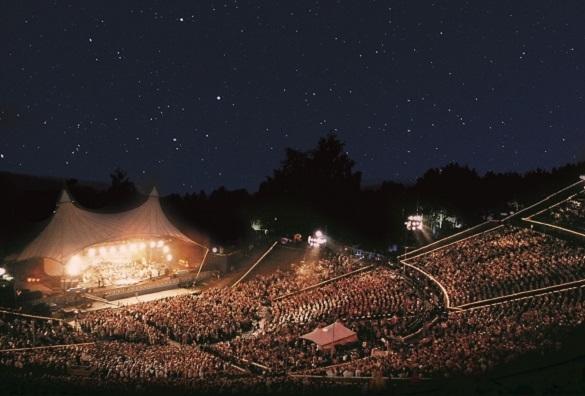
[122,191]
[311,189]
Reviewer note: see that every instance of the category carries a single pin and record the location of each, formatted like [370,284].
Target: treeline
[318,188]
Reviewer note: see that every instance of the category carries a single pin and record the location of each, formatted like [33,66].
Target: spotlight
[74,266]
[414,223]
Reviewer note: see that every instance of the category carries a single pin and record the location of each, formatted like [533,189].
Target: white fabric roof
[73,228]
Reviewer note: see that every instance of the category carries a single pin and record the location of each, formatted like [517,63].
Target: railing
[46,347]
[408,256]
[317,285]
[29,316]
[432,278]
[457,241]
[255,264]
[556,227]
[521,295]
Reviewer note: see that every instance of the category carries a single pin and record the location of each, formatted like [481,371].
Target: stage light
[414,223]
[169,257]
[257,225]
[2,271]
[318,240]
[214,250]
[74,266]
[142,246]
[102,250]
[112,250]
[91,252]
[133,247]
[160,243]
[152,244]
[166,249]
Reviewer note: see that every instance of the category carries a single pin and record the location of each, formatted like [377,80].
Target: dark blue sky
[195,94]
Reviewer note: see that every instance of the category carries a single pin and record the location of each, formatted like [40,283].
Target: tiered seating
[23,332]
[474,341]
[502,261]
[360,300]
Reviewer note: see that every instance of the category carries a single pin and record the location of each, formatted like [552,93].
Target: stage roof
[73,228]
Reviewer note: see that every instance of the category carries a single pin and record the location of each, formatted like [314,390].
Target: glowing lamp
[2,271]
[166,249]
[74,266]
[414,223]
[152,244]
[91,252]
[169,257]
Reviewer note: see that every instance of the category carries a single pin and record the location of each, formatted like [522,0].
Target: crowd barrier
[28,315]
[47,347]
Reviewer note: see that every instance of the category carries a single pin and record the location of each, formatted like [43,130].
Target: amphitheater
[495,309]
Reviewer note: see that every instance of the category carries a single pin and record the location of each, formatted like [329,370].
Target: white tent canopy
[73,229]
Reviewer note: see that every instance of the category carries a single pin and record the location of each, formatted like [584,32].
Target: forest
[317,188]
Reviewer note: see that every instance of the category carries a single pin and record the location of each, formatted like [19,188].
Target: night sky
[193,95]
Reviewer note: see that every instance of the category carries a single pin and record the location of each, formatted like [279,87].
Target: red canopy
[329,336]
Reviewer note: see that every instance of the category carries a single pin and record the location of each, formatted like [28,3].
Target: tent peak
[64,197]
[153,193]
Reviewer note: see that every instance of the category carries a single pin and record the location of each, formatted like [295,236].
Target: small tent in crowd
[330,336]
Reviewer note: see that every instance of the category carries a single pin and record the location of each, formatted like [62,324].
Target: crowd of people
[222,313]
[476,340]
[376,304]
[17,331]
[124,362]
[375,293]
[120,324]
[500,262]
[243,336]
[214,315]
